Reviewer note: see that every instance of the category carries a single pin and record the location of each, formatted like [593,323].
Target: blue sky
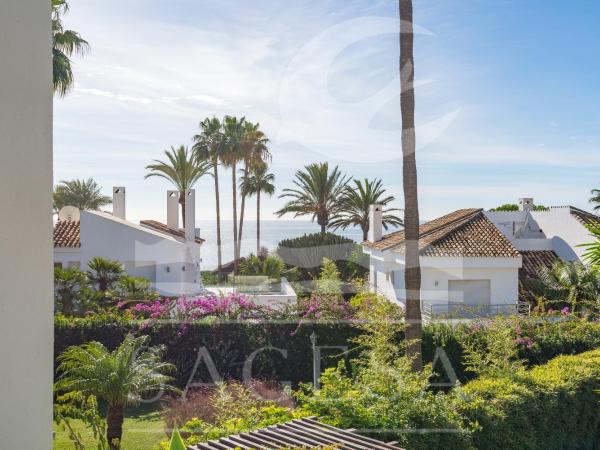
[507,94]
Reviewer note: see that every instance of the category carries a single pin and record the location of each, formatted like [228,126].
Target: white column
[26,306]
[173,209]
[375,223]
[119,206]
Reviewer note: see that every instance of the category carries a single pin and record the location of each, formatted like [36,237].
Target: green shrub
[553,406]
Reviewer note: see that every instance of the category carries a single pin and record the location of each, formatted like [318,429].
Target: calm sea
[271,231]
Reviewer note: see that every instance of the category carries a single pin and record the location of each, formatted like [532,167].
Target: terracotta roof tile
[67,234]
[159,226]
[528,273]
[464,233]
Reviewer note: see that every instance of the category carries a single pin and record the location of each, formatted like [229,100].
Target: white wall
[564,230]
[26,333]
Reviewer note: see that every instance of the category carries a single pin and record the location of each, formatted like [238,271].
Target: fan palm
[120,377]
[209,147]
[571,282]
[592,255]
[255,153]
[104,273]
[65,43]
[182,169]
[595,199]
[412,269]
[355,203]
[254,183]
[68,284]
[234,132]
[83,194]
[317,194]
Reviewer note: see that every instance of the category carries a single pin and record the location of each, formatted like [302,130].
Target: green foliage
[77,406]
[552,406]
[271,266]
[592,255]
[595,199]
[209,278]
[104,273]
[176,441]
[514,207]
[130,288]
[82,194]
[329,282]
[71,291]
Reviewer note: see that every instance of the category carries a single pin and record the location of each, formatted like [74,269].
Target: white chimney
[525,204]
[173,209]
[190,215]
[119,202]
[375,223]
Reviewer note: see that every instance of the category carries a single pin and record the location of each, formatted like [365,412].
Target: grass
[143,429]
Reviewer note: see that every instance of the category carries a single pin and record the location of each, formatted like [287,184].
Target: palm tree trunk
[67,305]
[217,199]
[182,203]
[234,190]
[242,208]
[114,426]
[257,222]
[365,230]
[412,271]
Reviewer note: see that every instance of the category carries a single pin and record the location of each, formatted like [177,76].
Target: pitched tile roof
[300,433]
[585,217]
[67,234]
[159,226]
[528,273]
[462,233]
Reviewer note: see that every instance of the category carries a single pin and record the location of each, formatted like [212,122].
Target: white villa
[476,258]
[165,254]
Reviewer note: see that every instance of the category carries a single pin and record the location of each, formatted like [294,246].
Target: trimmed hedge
[229,344]
[553,406]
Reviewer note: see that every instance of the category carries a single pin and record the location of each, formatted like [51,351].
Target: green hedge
[229,344]
[553,406]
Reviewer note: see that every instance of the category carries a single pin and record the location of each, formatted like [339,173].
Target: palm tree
[120,377]
[592,255]
[104,273]
[356,201]
[595,199]
[182,169]
[83,194]
[572,282]
[68,284]
[317,194]
[254,154]
[412,271]
[234,132]
[65,43]
[208,146]
[254,183]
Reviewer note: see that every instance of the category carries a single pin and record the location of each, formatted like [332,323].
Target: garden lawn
[142,430]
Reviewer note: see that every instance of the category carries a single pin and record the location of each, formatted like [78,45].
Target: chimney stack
[190,215]
[173,210]
[119,202]
[375,223]
[526,204]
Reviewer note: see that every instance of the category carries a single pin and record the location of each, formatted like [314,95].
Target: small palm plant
[317,194]
[68,286]
[592,254]
[595,199]
[182,169]
[120,378]
[571,282]
[104,273]
[83,194]
[356,201]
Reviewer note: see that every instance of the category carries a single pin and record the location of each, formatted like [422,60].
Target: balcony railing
[473,310]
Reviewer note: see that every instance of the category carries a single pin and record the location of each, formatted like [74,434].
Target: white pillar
[119,209]
[26,306]
[375,223]
[173,209]
[190,215]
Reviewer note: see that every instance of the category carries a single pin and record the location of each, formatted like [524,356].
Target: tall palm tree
[255,153]
[254,183]
[595,199]
[104,273]
[571,282]
[182,169]
[234,132]
[209,146]
[65,43]
[83,194]
[317,194]
[356,201]
[412,271]
[120,378]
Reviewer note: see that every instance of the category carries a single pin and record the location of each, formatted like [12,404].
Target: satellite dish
[69,214]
